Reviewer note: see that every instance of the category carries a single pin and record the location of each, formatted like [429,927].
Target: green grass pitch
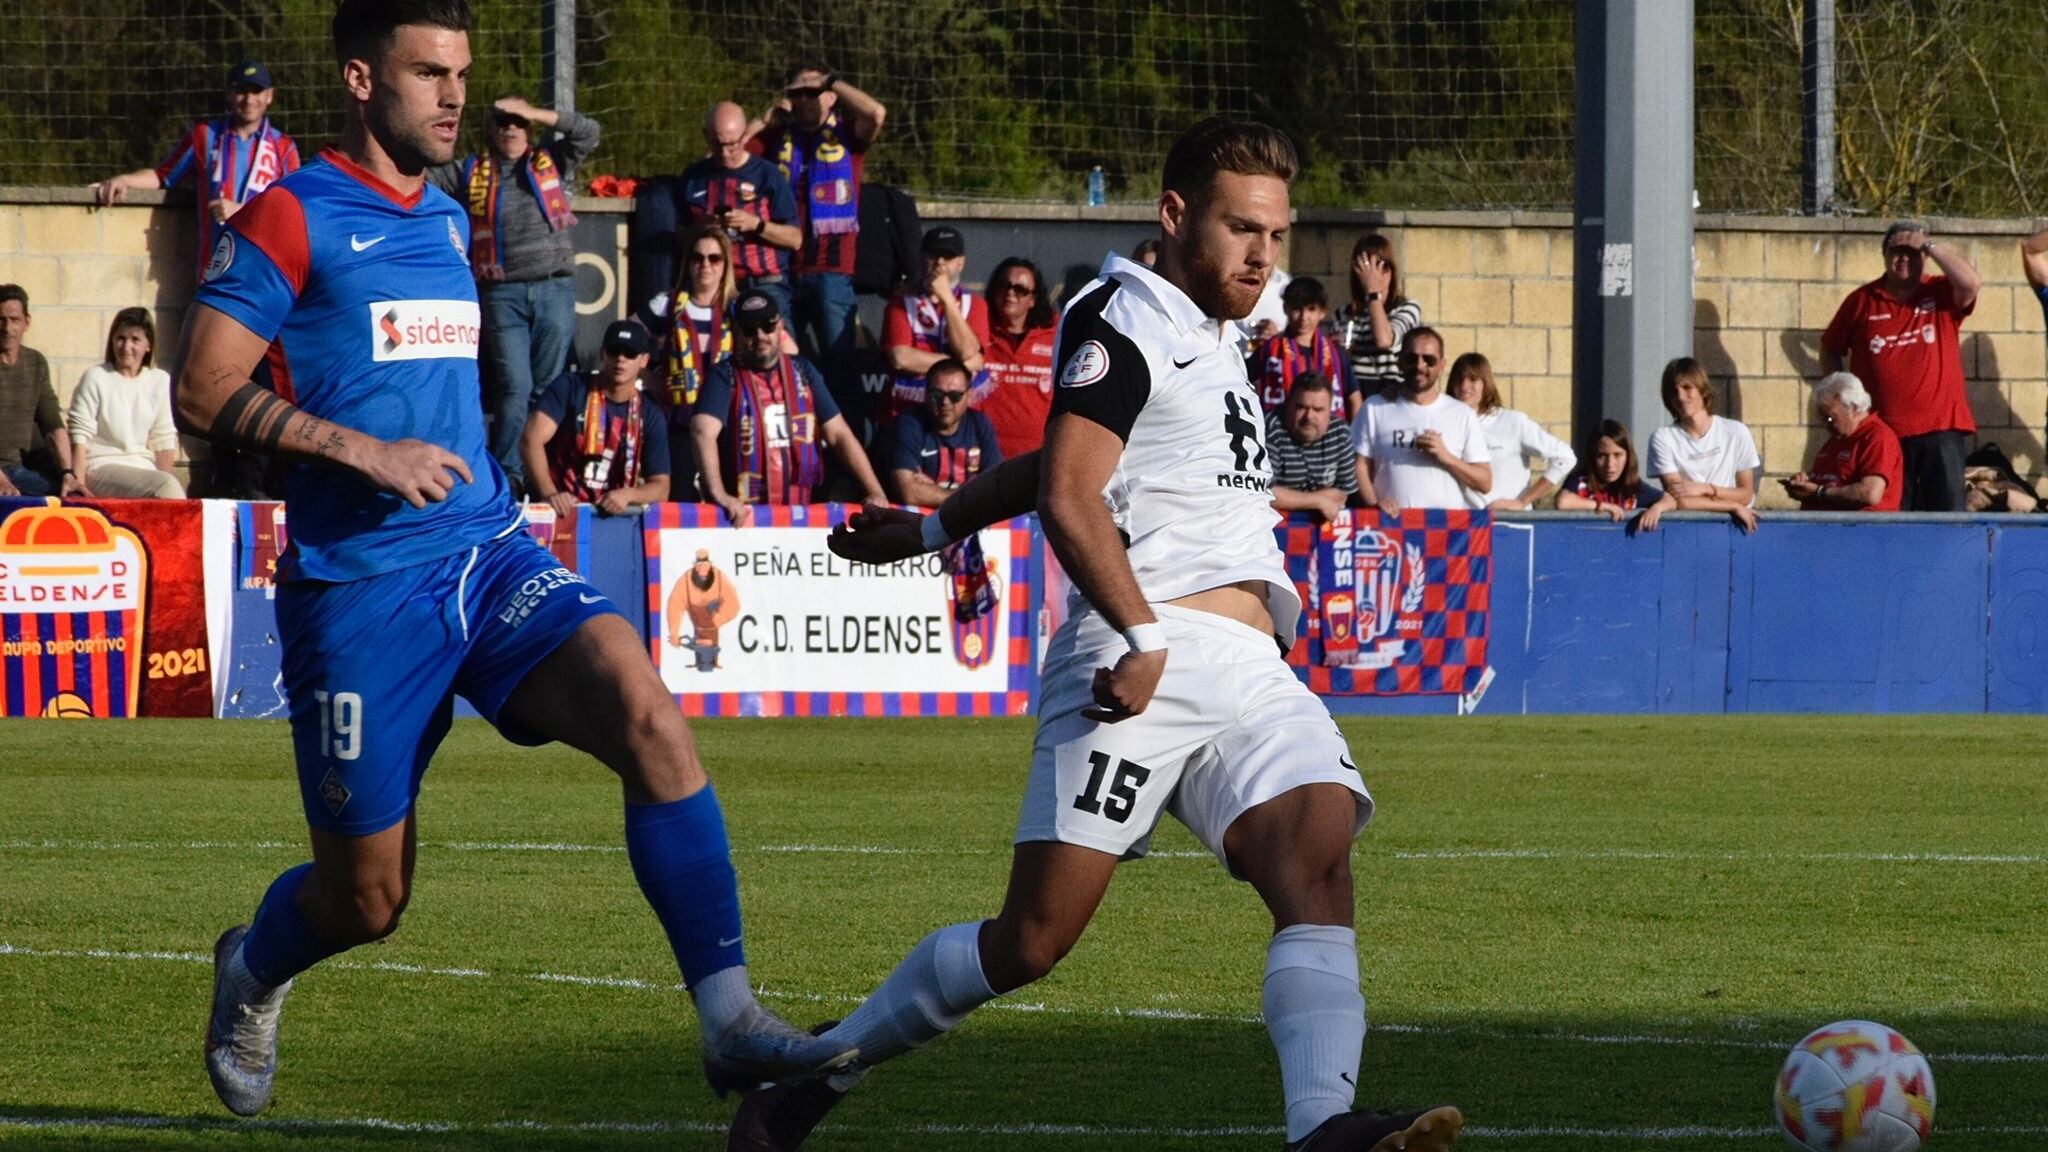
[1587,933]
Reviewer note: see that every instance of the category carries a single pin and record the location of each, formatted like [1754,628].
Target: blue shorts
[372,667]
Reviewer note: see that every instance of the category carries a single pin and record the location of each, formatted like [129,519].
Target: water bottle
[1097,196]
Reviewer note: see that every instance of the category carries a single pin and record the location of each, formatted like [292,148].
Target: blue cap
[250,74]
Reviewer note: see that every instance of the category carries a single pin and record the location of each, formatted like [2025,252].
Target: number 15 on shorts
[1123,787]
[341,724]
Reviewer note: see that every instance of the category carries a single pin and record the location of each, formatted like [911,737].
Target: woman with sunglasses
[1018,355]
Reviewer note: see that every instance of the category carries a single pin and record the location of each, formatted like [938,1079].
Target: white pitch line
[1026,1006]
[1475,854]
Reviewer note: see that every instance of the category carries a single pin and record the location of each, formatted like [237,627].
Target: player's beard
[411,145]
[1214,288]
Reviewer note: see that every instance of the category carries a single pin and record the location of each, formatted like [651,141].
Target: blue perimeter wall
[1808,615]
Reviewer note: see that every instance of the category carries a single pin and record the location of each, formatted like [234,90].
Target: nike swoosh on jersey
[929,452]
[363,245]
[1186,362]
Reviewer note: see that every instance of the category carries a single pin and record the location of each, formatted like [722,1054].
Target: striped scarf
[820,170]
[586,459]
[1281,360]
[692,351]
[266,163]
[772,455]
[480,176]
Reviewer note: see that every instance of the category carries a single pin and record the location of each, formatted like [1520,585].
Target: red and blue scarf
[538,171]
[820,170]
[600,453]
[772,455]
[1281,360]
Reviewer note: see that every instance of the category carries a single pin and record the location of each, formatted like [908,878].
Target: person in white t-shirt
[1511,438]
[1421,449]
[123,443]
[1707,463]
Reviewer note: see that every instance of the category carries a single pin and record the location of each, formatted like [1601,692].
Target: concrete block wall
[1764,289]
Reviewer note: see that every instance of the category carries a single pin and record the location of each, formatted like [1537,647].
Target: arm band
[1146,637]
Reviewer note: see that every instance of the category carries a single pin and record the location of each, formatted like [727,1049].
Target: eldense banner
[104,609]
[1392,606]
[766,621]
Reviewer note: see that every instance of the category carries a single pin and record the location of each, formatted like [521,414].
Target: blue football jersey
[367,298]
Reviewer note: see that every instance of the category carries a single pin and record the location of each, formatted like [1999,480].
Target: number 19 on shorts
[341,724]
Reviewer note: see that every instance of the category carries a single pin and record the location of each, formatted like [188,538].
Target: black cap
[755,310]
[628,334]
[944,240]
[250,74]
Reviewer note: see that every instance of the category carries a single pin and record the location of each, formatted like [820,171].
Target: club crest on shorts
[333,792]
[223,258]
[1089,363]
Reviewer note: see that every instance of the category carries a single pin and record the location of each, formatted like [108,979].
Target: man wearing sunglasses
[1421,449]
[1901,334]
[819,134]
[935,320]
[943,445]
[517,194]
[763,422]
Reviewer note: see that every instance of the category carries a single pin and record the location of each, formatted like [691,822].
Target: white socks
[247,987]
[934,988]
[1316,1016]
[721,998]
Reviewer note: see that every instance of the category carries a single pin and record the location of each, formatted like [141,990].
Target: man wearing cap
[943,446]
[599,439]
[748,197]
[227,159]
[819,134]
[764,419]
[937,320]
[1901,334]
[520,251]
[706,600]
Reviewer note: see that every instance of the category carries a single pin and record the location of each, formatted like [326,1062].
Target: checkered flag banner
[1393,605]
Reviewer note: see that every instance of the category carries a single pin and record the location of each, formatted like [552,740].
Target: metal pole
[1817,104]
[558,54]
[1633,188]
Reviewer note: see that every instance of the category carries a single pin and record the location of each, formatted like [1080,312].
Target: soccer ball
[1855,1086]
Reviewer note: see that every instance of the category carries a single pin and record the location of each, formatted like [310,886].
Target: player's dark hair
[133,318]
[363,28]
[947,366]
[1220,144]
[14,292]
[1309,382]
[1304,292]
[1683,370]
[1041,303]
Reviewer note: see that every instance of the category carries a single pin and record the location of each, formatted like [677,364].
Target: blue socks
[280,944]
[683,861]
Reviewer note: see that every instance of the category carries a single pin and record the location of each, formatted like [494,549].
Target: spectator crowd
[738,384]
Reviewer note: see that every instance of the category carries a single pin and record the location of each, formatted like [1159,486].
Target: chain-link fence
[1395,103]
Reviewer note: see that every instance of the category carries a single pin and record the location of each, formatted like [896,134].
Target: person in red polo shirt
[1900,334]
[1860,468]
[1018,355]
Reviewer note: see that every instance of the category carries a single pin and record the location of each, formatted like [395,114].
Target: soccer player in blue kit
[409,577]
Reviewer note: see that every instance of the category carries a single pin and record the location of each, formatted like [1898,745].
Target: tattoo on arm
[255,417]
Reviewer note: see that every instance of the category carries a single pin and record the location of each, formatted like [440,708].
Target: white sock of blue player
[1316,1016]
[934,988]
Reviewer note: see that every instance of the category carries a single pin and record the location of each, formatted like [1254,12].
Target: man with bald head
[750,197]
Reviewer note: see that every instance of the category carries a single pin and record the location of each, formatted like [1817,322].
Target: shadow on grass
[1028,1080]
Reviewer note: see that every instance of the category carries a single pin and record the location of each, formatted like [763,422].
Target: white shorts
[1229,728]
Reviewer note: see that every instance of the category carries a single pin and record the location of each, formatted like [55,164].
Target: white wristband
[1146,637]
[933,533]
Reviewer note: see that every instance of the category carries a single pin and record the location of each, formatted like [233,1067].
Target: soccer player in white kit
[1165,690]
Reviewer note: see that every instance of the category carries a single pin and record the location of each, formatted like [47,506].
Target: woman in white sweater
[123,443]
[1511,439]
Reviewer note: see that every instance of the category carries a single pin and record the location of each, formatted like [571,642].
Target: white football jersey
[1193,492]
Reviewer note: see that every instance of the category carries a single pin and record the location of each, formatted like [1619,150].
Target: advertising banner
[766,621]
